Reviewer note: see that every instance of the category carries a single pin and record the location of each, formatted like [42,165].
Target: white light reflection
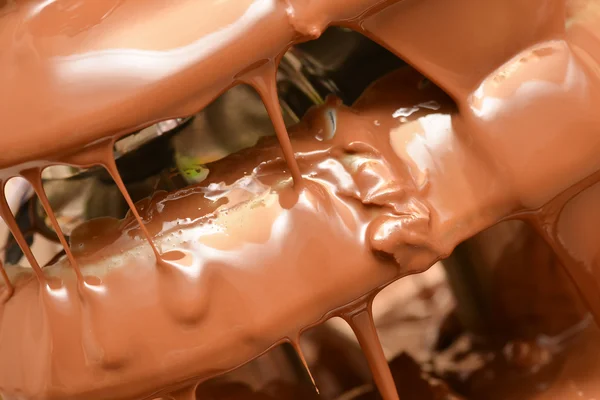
[417,141]
[488,104]
[39,7]
[190,264]
[485,107]
[151,65]
[408,111]
[59,294]
[337,170]
[99,289]
[438,132]
[281,226]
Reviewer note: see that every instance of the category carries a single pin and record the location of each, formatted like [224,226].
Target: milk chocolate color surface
[200,281]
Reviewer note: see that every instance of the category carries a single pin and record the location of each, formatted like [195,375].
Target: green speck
[191,168]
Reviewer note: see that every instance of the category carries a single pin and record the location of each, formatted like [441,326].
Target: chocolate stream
[361,322]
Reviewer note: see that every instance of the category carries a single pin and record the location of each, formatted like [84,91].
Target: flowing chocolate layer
[379,191]
[214,268]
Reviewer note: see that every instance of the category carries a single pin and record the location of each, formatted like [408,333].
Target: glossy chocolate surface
[197,282]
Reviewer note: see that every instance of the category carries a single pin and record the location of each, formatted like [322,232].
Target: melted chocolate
[376,192]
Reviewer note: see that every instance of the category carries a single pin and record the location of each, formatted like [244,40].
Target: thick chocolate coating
[366,194]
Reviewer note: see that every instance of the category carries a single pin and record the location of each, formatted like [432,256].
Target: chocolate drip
[296,345]
[9,219]
[584,281]
[360,320]
[583,270]
[263,80]
[108,162]
[34,176]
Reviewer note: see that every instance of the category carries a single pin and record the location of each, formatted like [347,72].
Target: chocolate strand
[9,219]
[360,320]
[108,162]
[264,81]
[34,176]
[296,345]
